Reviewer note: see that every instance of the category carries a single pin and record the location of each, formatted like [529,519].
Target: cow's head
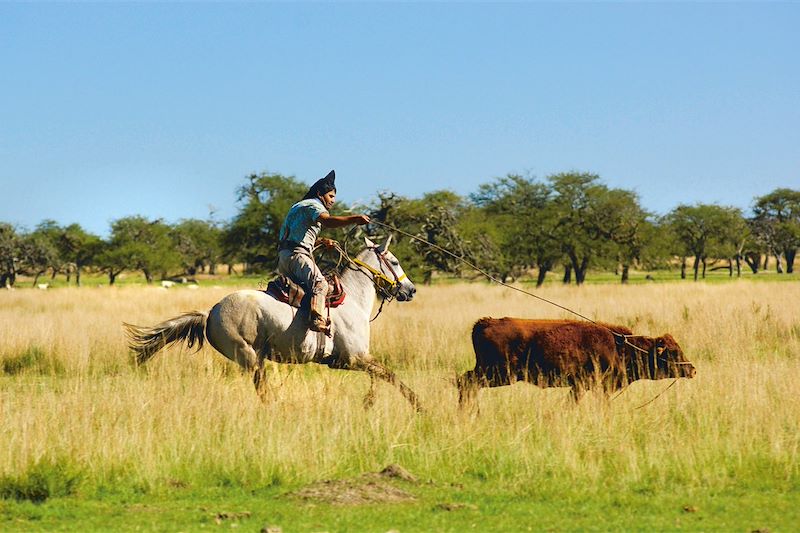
[667,359]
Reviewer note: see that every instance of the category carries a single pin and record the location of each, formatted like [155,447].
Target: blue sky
[109,110]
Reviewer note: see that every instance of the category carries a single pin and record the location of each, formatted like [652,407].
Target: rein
[384,285]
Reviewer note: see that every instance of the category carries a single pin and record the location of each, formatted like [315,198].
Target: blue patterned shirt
[301,224]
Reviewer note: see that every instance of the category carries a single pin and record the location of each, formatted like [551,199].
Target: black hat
[322,186]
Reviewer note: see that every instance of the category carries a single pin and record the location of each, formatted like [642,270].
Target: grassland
[89,441]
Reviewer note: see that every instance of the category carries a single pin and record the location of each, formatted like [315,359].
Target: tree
[577,195]
[198,242]
[777,222]
[756,245]
[614,215]
[435,218]
[731,241]
[37,254]
[10,243]
[138,244]
[78,248]
[48,235]
[519,218]
[702,231]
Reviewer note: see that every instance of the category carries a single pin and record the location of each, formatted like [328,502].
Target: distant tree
[576,196]
[731,243]
[702,231]
[519,217]
[615,216]
[37,254]
[139,244]
[756,244]
[659,245]
[49,232]
[435,218]
[439,226]
[112,258]
[406,215]
[78,248]
[10,243]
[199,243]
[777,223]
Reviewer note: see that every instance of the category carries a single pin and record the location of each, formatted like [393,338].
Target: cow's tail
[147,341]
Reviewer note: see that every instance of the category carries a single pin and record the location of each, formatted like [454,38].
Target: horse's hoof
[369,401]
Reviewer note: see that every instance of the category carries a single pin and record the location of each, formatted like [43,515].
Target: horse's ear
[386,244]
[370,244]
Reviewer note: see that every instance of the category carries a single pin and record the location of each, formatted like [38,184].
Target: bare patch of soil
[367,488]
[455,506]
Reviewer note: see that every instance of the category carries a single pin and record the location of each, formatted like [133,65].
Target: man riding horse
[298,237]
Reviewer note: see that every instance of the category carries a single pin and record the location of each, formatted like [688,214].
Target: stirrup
[320,324]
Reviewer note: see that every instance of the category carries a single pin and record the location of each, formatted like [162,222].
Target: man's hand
[360,220]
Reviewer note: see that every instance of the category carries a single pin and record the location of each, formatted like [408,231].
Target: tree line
[510,227]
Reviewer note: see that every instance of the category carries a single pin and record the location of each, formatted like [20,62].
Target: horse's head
[388,275]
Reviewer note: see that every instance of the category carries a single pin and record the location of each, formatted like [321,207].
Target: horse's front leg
[377,371]
[369,398]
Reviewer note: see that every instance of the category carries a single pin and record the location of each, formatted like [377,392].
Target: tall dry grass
[70,395]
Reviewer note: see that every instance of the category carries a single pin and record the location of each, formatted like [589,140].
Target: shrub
[42,480]
[33,359]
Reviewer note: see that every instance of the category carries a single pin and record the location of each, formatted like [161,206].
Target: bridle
[652,366]
[387,287]
[652,356]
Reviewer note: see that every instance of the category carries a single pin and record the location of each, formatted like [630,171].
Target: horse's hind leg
[377,370]
[260,379]
[247,358]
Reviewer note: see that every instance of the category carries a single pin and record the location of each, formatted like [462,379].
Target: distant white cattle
[43,286]
[167,284]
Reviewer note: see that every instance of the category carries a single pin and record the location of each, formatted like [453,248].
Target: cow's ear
[369,243]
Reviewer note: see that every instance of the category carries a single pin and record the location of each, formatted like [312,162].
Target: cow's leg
[498,376]
[377,371]
[578,388]
[469,383]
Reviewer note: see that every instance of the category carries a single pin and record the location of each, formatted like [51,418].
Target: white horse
[249,326]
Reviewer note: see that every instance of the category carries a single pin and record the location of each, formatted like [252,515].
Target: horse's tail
[147,341]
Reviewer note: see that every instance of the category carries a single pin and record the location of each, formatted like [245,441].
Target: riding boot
[318,322]
[316,316]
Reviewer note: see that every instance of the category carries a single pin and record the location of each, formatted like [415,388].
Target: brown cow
[567,353]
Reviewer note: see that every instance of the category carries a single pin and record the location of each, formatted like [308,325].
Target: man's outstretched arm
[332,221]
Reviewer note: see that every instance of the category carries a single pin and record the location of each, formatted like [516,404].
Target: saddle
[287,291]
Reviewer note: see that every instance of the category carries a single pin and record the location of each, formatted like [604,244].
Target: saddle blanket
[287,291]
